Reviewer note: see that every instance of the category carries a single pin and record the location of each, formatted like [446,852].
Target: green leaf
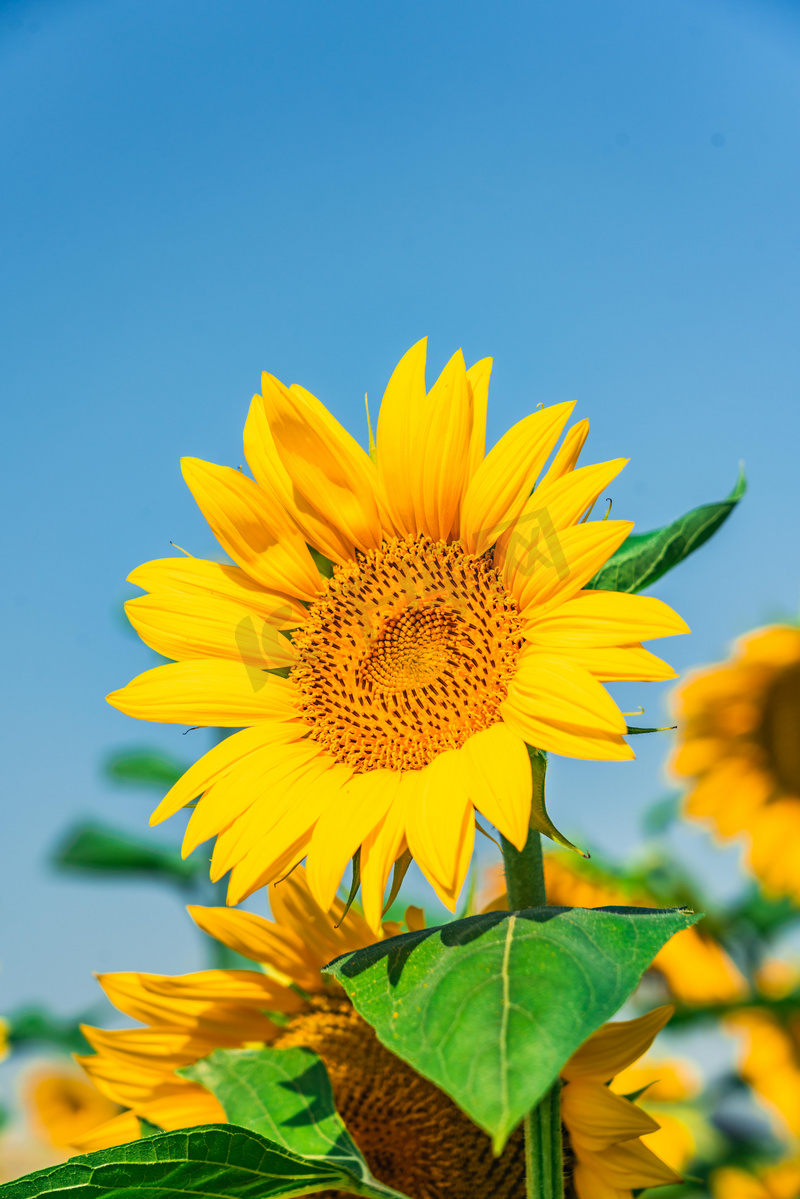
[285,1095]
[540,818]
[144,767]
[216,1160]
[97,849]
[491,1007]
[645,557]
[32,1024]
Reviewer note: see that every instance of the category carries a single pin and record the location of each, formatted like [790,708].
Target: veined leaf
[645,557]
[96,848]
[207,1162]
[285,1095]
[491,1007]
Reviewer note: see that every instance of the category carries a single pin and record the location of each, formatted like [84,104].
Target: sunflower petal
[423,443]
[188,627]
[196,578]
[478,383]
[500,781]
[616,1046]
[257,534]
[340,830]
[566,459]
[440,825]
[282,949]
[597,1118]
[553,689]
[598,619]
[333,478]
[206,692]
[632,663]
[117,1131]
[502,483]
[382,847]
[630,1165]
[543,567]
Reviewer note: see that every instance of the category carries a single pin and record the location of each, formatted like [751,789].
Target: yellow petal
[499,780]
[533,537]
[589,1185]
[630,1165]
[269,769]
[191,1106]
[363,803]
[597,1118]
[504,480]
[294,906]
[188,627]
[698,970]
[478,384]
[382,847]
[423,443]
[628,662]
[281,949]
[567,457]
[118,1131]
[263,457]
[333,478]
[219,760]
[600,619]
[555,690]
[549,567]
[130,993]
[569,742]
[209,692]
[195,577]
[164,1050]
[615,1046]
[256,533]
[440,825]
[264,862]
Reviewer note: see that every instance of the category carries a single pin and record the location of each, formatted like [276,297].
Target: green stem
[544,1170]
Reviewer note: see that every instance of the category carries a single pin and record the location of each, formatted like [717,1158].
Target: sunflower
[740,744]
[413,1137]
[397,628]
[695,968]
[63,1106]
[781,1181]
[769,1063]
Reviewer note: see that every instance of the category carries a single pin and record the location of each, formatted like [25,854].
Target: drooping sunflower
[427,606]
[694,967]
[740,745]
[413,1137]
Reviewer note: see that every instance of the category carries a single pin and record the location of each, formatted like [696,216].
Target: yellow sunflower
[63,1106]
[413,1137]
[695,968]
[740,745]
[781,1181]
[770,1063]
[395,630]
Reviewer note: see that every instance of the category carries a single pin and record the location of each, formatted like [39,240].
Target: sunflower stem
[524,869]
[544,1170]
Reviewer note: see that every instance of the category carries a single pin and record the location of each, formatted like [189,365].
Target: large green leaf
[96,848]
[491,1007]
[285,1094]
[645,557]
[208,1162]
[144,767]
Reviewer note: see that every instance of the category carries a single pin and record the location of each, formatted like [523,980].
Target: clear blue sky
[605,197]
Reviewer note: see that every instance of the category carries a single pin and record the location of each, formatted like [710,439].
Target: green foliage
[491,1007]
[97,849]
[144,768]
[644,557]
[33,1024]
[219,1159]
[285,1095]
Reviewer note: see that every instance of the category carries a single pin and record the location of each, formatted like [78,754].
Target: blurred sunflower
[695,968]
[769,1063]
[781,1181]
[428,610]
[413,1137]
[740,744]
[63,1107]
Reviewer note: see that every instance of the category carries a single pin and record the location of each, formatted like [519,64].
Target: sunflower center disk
[780,728]
[408,653]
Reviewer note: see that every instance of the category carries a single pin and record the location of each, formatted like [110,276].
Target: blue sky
[602,196]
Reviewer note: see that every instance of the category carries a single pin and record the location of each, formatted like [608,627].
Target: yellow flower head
[413,1137]
[740,746]
[770,1063]
[695,967]
[454,628]
[63,1106]
[781,1181]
